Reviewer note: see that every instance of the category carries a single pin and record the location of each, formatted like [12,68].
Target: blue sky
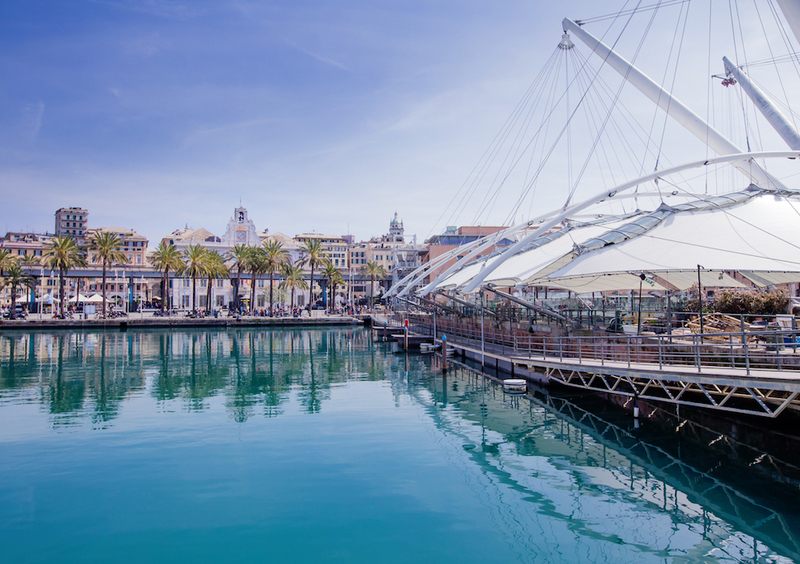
[316,114]
[324,116]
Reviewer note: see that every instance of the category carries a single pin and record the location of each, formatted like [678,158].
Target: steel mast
[674,107]
[774,116]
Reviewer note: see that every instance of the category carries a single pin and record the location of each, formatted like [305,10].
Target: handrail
[748,350]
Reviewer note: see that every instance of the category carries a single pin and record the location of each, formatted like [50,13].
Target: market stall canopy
[758,237]
[94,299]
[46,299]
[79,298]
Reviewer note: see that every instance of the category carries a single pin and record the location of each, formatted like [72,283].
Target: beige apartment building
[134,246]
[25,244]
[335,247]
[73,222]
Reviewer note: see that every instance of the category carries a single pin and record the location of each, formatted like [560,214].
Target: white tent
[46,299]
[94,299]
[759,237]
[78,298]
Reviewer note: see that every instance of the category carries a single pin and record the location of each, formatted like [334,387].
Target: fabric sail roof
[759,237]
[550,253]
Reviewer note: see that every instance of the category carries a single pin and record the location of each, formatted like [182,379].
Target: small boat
[515,386]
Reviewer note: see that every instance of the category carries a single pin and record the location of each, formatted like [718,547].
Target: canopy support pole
[674,107]
[774,116]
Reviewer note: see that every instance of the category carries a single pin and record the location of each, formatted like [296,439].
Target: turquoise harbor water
[322,446]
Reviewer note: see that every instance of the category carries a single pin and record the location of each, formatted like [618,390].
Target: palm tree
[314,255]
[15,277]
[107,251]
[335,278]
[293,278]
[215,268]
[195,259]
[275,257]
[165,258]
[239,257]
[6,260]
[256,264]
[28,263]
[63,254]
[374,269]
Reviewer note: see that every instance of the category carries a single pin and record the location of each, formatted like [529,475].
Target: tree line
[62,254]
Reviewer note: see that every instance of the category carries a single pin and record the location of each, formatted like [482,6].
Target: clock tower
[241,230]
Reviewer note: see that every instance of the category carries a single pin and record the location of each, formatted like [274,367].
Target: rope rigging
[612,144]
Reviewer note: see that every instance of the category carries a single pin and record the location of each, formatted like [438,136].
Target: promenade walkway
[760,392]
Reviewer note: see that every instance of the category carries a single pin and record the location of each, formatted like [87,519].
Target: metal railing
[765,348]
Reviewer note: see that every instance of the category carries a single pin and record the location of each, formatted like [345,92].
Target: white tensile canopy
[551,253]
[759,238]
[79,298]
[94,299]
[601,283]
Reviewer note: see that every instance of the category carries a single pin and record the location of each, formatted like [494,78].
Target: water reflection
[565,478]
[80,375]
[588,469]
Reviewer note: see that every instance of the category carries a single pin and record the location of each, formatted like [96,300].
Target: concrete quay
[136,322]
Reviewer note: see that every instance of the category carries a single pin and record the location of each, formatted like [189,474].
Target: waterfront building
[241,230]
[134,246]
[335,247]
[390,251]
[182,238]
[25,244]
[289,244]
[454,237]
[73,222]
[396,230]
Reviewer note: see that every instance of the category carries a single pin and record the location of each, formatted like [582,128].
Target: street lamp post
[700,300]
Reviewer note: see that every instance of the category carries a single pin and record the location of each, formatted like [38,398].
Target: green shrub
[753,302]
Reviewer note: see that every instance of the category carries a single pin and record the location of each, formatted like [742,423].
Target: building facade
[134,246]
[73,222]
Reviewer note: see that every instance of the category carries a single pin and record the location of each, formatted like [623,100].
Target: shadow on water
[577,460]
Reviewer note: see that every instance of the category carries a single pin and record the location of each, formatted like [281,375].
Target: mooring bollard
[444,353]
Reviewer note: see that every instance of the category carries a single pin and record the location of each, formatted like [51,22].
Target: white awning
[760,236]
